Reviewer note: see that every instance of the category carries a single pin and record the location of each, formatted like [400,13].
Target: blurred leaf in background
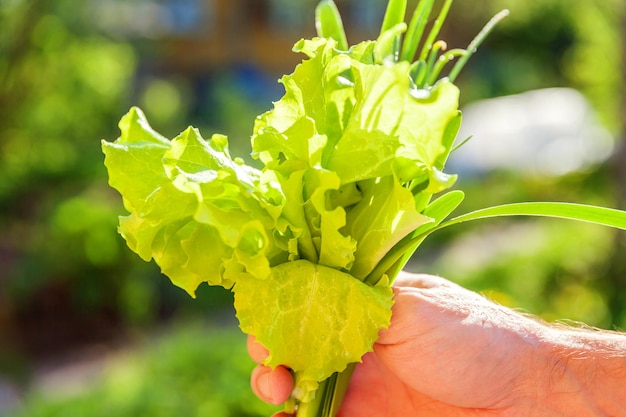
[191,370]
[66,279]
[62,87]
[547,44]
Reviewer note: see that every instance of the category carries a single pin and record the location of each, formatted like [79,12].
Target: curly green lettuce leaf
[316,320]
[362,120]
[345,123]
[390,131]
[385,214]
[335,249]
[199,214]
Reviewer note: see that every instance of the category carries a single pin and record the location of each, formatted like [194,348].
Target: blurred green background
[88,329]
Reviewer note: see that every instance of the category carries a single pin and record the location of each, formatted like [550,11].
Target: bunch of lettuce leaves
[352,155]
[350,158]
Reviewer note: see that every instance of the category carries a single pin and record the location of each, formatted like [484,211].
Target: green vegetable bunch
[310,244]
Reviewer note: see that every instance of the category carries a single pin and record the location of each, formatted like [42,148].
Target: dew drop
[420,93]
[344,82]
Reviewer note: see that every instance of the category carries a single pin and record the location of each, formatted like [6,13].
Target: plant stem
[394,15]
[328,396]
[434,32]
[475,43]
[329,24]
[416,30]
[441,63]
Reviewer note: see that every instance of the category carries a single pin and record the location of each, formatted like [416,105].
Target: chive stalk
[394,15]
[329,24]
[475,43]
[444,59]
[434,31]
[416,29]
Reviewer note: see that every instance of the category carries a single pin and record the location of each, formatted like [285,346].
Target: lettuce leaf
[381,219]
[200,215]
[315,319]
[340,108]
[344,125]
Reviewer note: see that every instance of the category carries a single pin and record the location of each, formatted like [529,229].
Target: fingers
[273,386]
[257,351]
[270,385]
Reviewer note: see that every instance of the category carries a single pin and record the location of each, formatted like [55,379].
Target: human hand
[447,352]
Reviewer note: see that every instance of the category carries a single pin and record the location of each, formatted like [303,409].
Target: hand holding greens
[310,244]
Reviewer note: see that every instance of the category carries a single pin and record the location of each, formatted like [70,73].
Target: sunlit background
[88,329]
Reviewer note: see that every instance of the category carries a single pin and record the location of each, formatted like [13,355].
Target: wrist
[577,372]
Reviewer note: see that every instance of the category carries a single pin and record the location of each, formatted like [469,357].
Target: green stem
[387,44]
[394,15]
[397,257]
[329,395]
[441,63]
[418,73]
[329,24]
[408,245]
[432,58]
[581,212]
[313,408]
[434,32]
[475,43]
[416,29]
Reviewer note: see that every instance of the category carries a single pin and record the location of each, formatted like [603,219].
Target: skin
[452,352]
